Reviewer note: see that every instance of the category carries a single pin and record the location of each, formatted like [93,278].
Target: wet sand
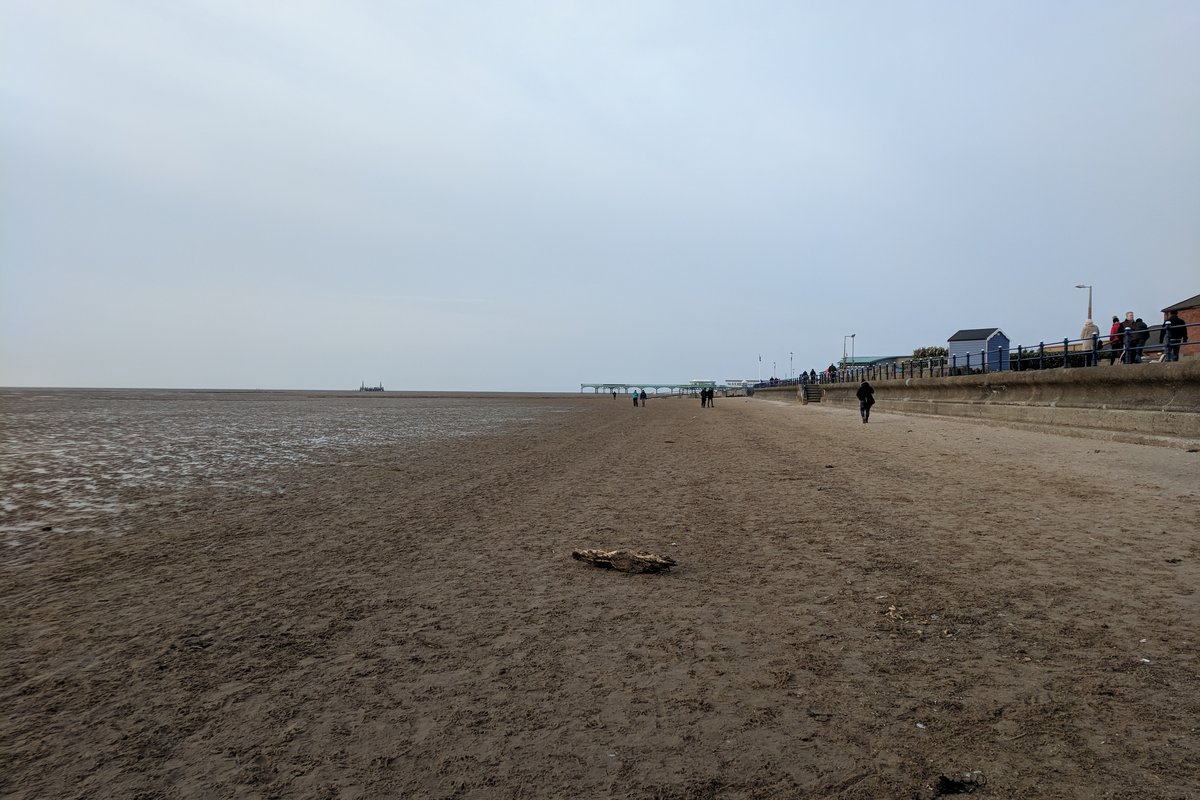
[859,611]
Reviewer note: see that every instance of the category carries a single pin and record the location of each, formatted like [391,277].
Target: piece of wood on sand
[625,560]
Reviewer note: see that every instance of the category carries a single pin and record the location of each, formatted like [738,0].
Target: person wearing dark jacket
[866,399]
[1138,339]
[1126,327]
[1174,333]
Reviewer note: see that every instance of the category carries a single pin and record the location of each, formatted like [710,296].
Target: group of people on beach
[1127,338]
[639,397]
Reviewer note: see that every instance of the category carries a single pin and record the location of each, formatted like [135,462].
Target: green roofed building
[871,361]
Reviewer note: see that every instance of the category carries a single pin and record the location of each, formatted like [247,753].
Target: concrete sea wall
[1155,403]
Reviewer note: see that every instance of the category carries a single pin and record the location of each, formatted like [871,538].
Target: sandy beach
[913,608]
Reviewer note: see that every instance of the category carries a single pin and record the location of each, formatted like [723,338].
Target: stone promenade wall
[1156,403]
[789,393]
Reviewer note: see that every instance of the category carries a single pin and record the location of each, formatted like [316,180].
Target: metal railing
[1127,347]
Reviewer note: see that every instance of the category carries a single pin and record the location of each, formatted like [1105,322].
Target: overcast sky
[532,195]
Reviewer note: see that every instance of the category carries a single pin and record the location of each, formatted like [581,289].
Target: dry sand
[859,611]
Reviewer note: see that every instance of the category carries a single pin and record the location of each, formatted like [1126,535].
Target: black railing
[1127,347]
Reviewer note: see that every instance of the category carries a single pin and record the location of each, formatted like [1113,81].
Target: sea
[72,460]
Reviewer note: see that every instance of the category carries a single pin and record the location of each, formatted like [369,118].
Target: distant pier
[624,387]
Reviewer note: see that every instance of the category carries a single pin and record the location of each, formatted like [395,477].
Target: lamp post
[1085,286]
[849,336]
[773,375]
[852,345]
[791,366]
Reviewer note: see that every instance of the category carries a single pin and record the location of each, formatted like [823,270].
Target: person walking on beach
[711,394]
[866,399]
[1174,333]
[634,394]
[643,396]
[614,394]
[703,398]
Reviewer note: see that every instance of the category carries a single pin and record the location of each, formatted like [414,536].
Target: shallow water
[70,459]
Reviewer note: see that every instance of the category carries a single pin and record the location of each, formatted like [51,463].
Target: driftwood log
[625,560]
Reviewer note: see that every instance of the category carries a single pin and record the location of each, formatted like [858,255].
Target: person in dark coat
[1125,327]
[643,396]
[1174,333]
[1137,341]
[866,399]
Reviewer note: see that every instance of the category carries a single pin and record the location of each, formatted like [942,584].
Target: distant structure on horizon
[365,388]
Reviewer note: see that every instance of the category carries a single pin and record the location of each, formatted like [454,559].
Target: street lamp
[1085,286]
[791,366]
[849,336]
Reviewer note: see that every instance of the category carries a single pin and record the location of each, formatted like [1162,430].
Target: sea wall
[1155,403]
[789,393]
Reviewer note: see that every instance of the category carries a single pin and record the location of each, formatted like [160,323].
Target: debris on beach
[945,785]
[625,560]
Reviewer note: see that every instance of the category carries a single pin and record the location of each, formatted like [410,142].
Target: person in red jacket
[1114,340]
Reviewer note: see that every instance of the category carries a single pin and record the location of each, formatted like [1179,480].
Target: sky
[527,196]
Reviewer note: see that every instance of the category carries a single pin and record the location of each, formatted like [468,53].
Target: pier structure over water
[624,387]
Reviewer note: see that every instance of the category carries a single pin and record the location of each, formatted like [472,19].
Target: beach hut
[975,342]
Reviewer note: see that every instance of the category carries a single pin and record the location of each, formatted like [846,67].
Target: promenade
[859,611]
